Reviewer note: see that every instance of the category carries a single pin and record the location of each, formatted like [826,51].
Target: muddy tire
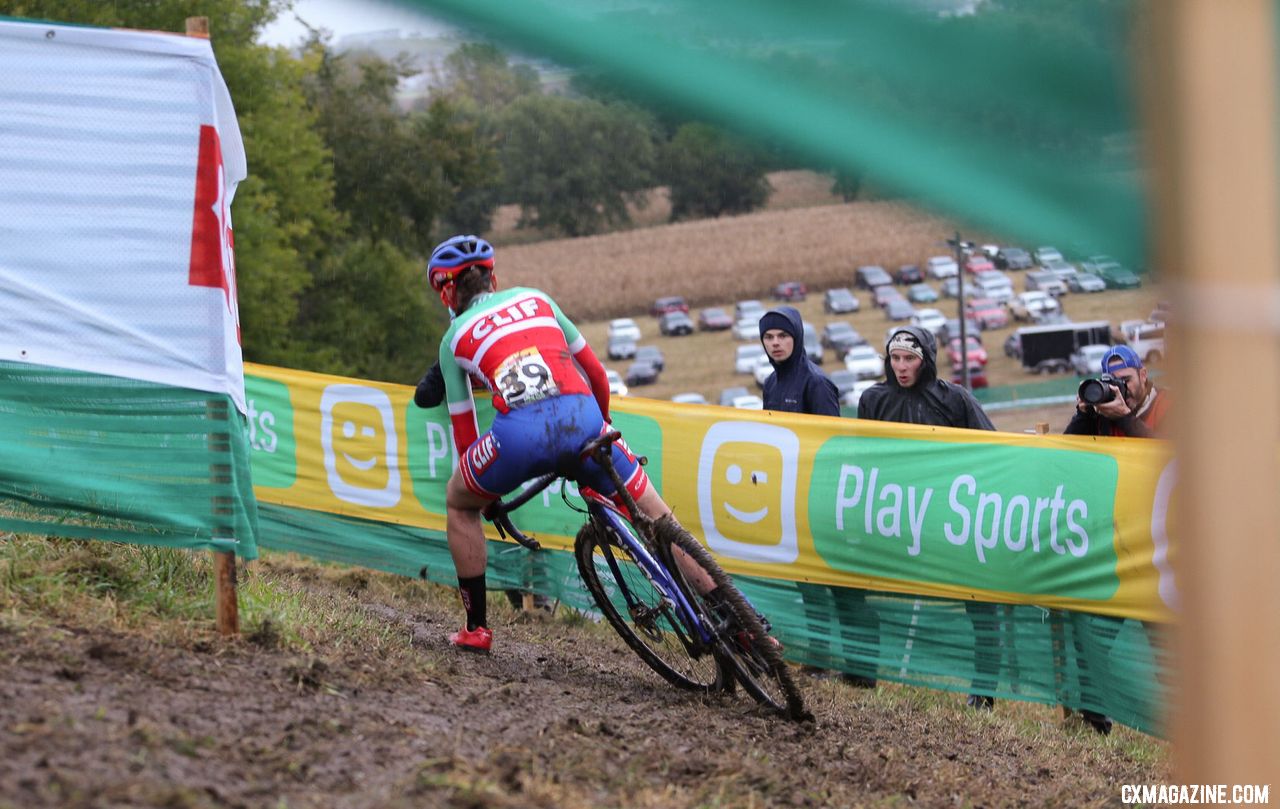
[743,643]
[642,616]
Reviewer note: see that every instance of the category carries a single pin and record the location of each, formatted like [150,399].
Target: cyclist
[528,355]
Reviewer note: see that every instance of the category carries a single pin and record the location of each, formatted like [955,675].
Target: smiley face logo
[747,491]
[358,436]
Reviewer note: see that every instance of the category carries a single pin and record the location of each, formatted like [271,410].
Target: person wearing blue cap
[1136,410]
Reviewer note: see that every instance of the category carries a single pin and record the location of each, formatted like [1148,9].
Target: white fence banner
[119,157]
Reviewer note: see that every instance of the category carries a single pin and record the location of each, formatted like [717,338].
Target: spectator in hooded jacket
[797,386]
[912,393]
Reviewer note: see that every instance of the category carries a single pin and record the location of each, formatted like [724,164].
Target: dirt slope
[560,716]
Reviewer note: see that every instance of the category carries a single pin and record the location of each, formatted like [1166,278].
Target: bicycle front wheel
[642,614]
[743,642]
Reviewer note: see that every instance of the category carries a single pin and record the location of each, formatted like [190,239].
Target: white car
[930,319]
[748,402]
[865,362]
[616,386]
[689,398]
[854,396]
[1147,339]
[1088,360]
[748,328]
[622,328]
[940,267]
[762,371]
[1030,305]
[746,357]
[993,285]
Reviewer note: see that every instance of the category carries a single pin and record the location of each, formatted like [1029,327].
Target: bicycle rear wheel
[642,615]
[743,642]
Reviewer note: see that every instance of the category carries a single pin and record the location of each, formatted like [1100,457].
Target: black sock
[472,591]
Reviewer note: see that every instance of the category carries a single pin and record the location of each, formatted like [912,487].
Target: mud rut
[558,716]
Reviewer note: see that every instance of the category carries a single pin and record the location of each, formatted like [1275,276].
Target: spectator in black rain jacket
[797,385]
[912,393]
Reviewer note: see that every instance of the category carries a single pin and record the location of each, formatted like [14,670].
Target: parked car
[624,327]
[975,354]
[1087,360]
[762,371]
[844,380]
[616,386]
[951,287]
[746,357]
[921,293]
[993,285]
[671,303]
[978,263]
[652,355]
[641,373]
[952,330]
[977,377]
[1044,254]
[1013,346]
[837,332]
[1027,305]
[884,294]
[1112,273]
[748,328]
[790,291]
[812,345]
[621,348]
[1086,282]
[714,319]
[1064,271]
[931,319]
[909,274]
[871,276]
[987,313]
[689,398]
[840,301]
[748,402]
[852,398]
[1013,258]
[748,308]
[899,309]
[940,267]
[675,324]
[1147,340]
[729,394]
[865,362]
[1044,281]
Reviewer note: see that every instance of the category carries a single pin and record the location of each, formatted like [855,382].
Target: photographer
[1122,402]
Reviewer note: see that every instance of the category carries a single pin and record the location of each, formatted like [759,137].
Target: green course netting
[1052,656]
[90,456]
[1019,118]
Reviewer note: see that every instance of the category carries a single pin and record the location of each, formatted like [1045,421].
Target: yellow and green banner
[1066,522]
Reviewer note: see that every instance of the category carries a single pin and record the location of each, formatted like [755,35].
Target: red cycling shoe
[477,640]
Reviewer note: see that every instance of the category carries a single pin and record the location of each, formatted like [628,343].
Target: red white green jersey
[524,349]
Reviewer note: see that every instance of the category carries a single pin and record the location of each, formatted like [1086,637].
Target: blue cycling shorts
[528,442]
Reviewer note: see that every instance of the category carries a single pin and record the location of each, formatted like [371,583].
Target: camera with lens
[1102,389]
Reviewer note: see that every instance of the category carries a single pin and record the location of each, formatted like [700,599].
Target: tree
[847,184]
[573,166]
[481,73]
[712,174]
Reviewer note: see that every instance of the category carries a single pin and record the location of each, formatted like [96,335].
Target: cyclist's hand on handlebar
[430,390]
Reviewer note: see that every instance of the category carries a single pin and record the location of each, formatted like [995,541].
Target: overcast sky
[344,17]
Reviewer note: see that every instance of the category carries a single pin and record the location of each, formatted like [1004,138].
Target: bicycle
[697,642]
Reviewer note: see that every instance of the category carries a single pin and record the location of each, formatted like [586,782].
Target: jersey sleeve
[586,359]
[457,392]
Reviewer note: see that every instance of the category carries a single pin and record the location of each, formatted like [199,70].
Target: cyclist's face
[778,344]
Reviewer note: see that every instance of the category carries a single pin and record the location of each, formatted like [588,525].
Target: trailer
[1048,349]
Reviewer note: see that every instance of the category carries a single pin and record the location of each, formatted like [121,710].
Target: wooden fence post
[226,602]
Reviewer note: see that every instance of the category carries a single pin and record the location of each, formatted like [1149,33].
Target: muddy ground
[560,715]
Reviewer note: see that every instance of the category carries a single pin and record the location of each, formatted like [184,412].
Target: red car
[977,377]
[790,291]
[673,303]
[714,320]
[987,313]
[977,355]
[978,263]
